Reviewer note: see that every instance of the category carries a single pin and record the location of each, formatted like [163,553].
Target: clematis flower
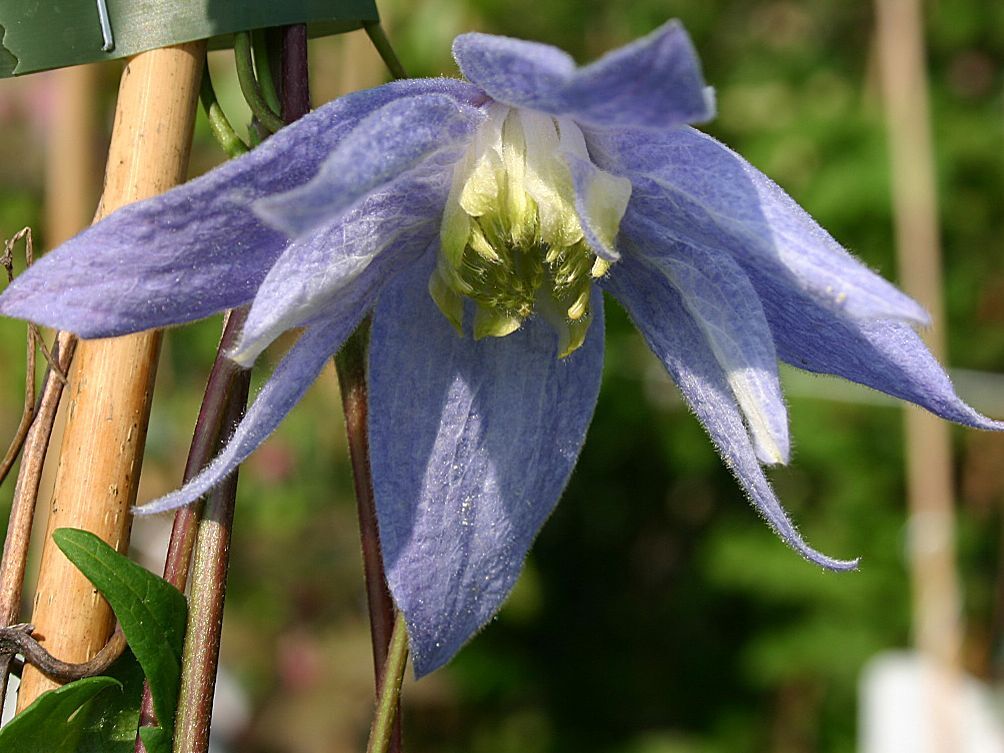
[480,222]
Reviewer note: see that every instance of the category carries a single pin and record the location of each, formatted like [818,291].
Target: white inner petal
[751,372]
[548,181]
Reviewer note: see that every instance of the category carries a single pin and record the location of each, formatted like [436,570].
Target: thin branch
[200,662]
[35,342]
[227,384]
[17,639]
[351,366]
[222,131]
[295,92]
[389,702]
[22,511]
[249,84]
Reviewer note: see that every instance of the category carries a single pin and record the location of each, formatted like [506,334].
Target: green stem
[382,44]
[222,131]
[390,694]
[263,67]
[249,84]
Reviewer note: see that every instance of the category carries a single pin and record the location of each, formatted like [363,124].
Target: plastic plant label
[36,35]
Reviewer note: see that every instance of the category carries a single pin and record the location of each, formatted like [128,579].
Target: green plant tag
[36,36]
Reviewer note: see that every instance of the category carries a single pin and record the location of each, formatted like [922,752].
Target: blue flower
[479,222]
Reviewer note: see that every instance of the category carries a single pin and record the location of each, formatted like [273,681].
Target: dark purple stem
[295,84]
[226,392]
[351,365]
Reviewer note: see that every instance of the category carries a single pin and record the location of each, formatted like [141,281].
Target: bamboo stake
[111,381]
[936,601]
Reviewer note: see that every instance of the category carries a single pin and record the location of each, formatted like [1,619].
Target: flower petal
[671,332]
[885,355]
[703,194]
[654,82]
[471,444]
[197,249]
[392,140]
[288,383]
[722,301]
[600,197]
[389,227]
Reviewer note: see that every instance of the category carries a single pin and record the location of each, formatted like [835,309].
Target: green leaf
[112,720]
[55,722]
[36,36]
[151,611]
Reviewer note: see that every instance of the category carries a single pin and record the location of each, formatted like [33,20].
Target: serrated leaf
[151,611]
[55,722]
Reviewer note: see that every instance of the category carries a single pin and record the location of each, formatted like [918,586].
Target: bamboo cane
[936,600]
[111,381]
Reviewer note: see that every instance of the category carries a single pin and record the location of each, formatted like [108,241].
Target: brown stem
[227,383]
[17,639]
[208,593]
[22,511]
[351,365]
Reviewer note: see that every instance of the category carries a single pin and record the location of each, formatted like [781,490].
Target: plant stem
[226,396]
[226,391]
[200,660]
[388,704]
[295,93]
[29,477]
[249,84]
[351,366]
[263,68]
[223,132]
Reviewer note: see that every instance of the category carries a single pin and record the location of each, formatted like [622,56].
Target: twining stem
[390,695]
[249,84]
[260,45]
[222,131]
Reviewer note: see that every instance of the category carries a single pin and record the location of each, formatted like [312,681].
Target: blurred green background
[657,613]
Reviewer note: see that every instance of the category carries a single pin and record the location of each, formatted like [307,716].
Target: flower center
[511,240]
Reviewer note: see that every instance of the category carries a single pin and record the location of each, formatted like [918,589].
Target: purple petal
[703,194]
[392,140]
[654,82]
[885,355]
[659,313]
[288,383]
[197,249]
[722,302]
[471,444]
[389,227]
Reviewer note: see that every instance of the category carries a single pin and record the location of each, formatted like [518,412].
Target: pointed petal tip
[245,353]
[772,454]
[168,503]
[828,563]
